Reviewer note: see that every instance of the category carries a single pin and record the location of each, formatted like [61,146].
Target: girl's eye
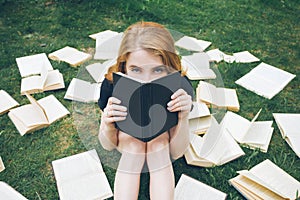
[135,69]
[159,70]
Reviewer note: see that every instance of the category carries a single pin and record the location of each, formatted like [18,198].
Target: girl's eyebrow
[133,66]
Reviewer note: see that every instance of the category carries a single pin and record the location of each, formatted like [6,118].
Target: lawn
[268,29]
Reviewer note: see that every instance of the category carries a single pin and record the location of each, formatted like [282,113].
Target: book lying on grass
[265,80]
[2,167]
[47,80]
[192,44]
[244,57]
[146,103]
[216,147]
[217,56]
[31,65]
[199,118]
[197,66]
[37,114]
[103,35]
[70,55]
[9,193]
[6,102]
[252,134]
[98,70]
[83,91]
[189,188]
[81,176]
[217,96]
[108,49]
[289,126]
[266,181]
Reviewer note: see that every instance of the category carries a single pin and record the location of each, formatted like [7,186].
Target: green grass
[268,29]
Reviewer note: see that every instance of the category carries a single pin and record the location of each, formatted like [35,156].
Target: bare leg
[127,179]
[162,181]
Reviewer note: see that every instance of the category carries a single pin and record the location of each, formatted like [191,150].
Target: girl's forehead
[143,57]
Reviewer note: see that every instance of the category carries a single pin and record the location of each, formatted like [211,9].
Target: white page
[103,35]
[83,91]
[98,70]
[294,141]
[265,80]
[6,102]
[258,133]
[189,188]
[244,57]
[192,44]
[9,193]
[215,55]
[31,84]
[200,109]
[227,97]
[276,178]
[287,123]
[2,167]
[236,125]
[199,125]
[31,65]
[53,108]
[81,176]
[207,92]
[54,81]
[70,55]
[109,48]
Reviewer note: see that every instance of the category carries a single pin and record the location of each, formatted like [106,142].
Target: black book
[146,103]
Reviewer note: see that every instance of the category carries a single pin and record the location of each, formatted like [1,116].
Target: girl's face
[145,66]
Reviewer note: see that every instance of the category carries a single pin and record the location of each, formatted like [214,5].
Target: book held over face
[6,102]
[37,114]
[81,176]
[146,103]
[266,181]
[189,188]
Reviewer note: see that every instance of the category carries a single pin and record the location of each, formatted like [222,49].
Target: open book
[244,57]
[47,80]
[192,44]
[83,91]
[217,96]
[146,102]
[37,114]
[266,181]
[81,176]
[216,147]
[265,80]
[103,35]
[197,66]
[199,118]
[31,65]
[217,56]
[2,167]
[108,49]
[254,134]
[189,188]
[6,102]
[70,55]
[9,193]
[289,126]
[98,70]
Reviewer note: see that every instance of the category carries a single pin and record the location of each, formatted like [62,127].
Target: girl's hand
[113,112]
[181,102]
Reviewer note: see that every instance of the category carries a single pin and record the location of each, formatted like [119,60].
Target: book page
[31,84]
[288,123]
[192,44]
[277,179]
[6,102]
[189,188]
[54,110]
[236,125]
[226,97]
[81,176]
[244,57]
[103,35]
[108,49]
[193,159]
[2,167]
[199,125]
[98,70]
[55,80]
[215,55]
[265,80]
[258,133]
[83,91]
[207,92]
[31,65]
[199,110]
[9,193]
[70,55]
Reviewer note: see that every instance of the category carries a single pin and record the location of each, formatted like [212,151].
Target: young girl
[147,52]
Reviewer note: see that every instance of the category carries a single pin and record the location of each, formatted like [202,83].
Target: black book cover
[146,103]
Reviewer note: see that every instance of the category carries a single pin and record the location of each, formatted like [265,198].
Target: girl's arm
[113,112]
[179,135]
